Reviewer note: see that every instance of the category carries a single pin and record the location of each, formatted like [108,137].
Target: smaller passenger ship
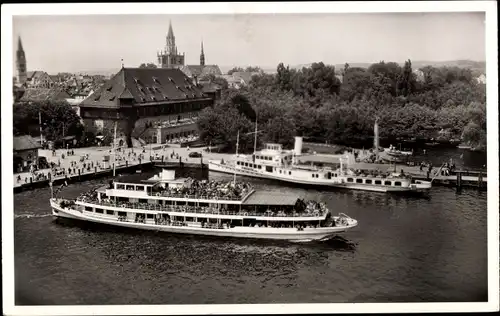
[187,206]
[273,162]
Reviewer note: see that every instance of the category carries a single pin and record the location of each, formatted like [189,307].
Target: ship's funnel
[298,145]
[167,174]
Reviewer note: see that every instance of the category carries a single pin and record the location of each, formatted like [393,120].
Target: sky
[97,42]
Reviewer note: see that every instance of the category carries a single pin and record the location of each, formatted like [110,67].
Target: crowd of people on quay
[210,189]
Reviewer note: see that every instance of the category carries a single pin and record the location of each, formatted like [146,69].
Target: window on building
[378,182]
[97,97]
[397,183]
[350,180]
[387,183]
[359,180]
[112,98]
[368,181]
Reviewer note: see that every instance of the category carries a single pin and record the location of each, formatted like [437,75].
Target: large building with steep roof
[140,97]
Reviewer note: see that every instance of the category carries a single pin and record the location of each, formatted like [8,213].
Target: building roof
[34,75]
[43,94]
[144,85]
[270,198]
[209,87]
[200,71]
[25,142]
[246,76]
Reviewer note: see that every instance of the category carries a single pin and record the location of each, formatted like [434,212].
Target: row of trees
[341,106]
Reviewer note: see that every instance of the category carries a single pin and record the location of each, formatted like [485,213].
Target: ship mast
[237,144]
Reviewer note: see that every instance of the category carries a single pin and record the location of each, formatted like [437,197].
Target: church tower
[21,63]
[202,56]
[170,58]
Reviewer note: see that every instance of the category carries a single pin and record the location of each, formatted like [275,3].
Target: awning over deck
[270,198]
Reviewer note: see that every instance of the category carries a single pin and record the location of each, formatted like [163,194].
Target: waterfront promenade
[169,155]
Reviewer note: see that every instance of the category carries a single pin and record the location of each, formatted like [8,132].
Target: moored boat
[187,206]
[277,164]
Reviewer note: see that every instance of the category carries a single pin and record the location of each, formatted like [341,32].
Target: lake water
[405,249]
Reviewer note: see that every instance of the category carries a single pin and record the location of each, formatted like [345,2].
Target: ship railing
[198,197]
[198,210]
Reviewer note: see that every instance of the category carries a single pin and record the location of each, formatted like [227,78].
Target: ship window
[238,163]
[246,164]
[397,183]
[378,182]
[259,166]
[359,180]
[122,213]
[280,170]
[143,201]
[368,181]
[98,210]
[130,187]
[387,183]
[139,188]
[289,172]
[120,186]
[312,175]
[110,212]
[88,208]
[149,215]
[350,180]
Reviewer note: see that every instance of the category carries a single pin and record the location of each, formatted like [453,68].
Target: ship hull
[288,234]
[225,168]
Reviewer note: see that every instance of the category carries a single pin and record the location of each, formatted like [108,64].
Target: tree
[253,69]
[58,119]
[148,65]
[235,69]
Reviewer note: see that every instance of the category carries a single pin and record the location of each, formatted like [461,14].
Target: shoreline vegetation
[320,103]
[340,107]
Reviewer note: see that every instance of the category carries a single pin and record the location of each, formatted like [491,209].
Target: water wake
[30,215]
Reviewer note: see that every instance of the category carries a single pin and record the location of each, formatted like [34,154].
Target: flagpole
[255,139]
[114,151]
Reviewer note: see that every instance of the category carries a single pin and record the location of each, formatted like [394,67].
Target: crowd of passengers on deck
[208,189]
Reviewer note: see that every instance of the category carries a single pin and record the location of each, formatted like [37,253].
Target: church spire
[21,62]
[19,44]
[171,48]
[170,30]
[202,55]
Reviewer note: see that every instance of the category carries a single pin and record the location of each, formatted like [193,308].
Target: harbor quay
[99,160]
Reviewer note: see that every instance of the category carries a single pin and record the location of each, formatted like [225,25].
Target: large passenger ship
[275,163]
[231,209]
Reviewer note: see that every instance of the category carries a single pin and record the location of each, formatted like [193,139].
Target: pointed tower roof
[19,43]
[170,31]
[202,47]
